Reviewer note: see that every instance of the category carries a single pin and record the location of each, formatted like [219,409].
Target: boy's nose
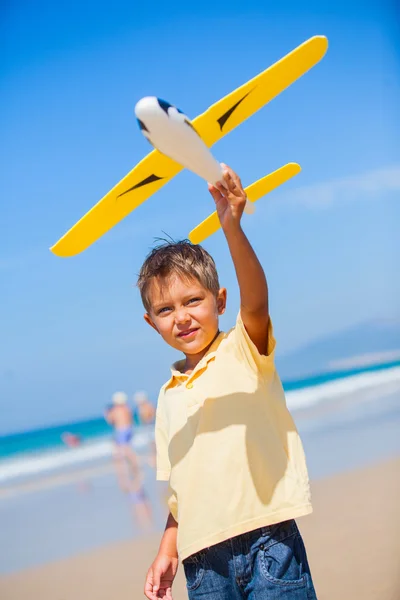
[182,316]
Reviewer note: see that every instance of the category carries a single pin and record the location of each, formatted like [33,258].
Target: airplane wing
[254,192]
[156,169]
[245,101]
[149,175]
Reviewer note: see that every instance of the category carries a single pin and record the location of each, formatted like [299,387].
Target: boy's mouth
[188,333]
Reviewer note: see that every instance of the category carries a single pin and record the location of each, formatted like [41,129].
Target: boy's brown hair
[187,260]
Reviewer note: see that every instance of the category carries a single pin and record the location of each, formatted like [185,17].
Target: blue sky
[71,330]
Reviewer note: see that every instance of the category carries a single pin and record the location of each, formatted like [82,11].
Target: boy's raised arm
[230,202]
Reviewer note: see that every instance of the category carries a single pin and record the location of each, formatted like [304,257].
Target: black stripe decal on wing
[150,179]
[223,119]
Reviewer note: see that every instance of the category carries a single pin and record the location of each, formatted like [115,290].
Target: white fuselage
[171,132]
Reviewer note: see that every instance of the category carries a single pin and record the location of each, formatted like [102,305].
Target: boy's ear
[149,321]
[221,301]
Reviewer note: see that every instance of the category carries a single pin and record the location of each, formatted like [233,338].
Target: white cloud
[356,187]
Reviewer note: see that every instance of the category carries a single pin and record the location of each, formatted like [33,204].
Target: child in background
[119,415]
[146,414]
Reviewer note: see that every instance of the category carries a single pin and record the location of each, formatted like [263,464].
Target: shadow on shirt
[239,439]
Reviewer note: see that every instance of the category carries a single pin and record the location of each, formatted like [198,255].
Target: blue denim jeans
[266,564]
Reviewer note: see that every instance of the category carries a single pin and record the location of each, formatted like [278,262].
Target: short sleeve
[249,351]
[161,438]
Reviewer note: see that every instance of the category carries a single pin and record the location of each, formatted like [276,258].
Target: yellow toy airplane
[156,169]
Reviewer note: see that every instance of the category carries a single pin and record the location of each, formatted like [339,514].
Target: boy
[225,439]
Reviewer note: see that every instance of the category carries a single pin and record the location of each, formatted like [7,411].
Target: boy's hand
[160,577]
[230,200]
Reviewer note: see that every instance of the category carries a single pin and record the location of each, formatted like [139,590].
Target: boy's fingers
[228,178]
[233,180]
[233,184]
[148,588]
[215,193]
[227,171]
[156,581]
[230,171]
[221,188]
[237,180]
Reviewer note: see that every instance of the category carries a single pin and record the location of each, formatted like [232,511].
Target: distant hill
[368,342]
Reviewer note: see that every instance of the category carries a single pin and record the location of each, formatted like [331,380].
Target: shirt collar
[176,373]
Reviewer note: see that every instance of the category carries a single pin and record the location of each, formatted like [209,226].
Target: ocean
[42,451]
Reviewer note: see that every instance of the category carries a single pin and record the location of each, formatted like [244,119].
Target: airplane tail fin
[254,192]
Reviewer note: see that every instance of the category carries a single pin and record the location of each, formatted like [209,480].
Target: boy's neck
[192,360]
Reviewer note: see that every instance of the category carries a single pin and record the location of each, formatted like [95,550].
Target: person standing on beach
[146,413]
[146,410]
[226,442]
[119,415]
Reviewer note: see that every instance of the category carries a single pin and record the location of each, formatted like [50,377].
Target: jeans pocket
[194,568]
[282,557]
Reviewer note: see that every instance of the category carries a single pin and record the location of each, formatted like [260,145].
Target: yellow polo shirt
[228,445]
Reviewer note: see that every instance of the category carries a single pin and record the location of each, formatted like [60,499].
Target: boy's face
[185,313]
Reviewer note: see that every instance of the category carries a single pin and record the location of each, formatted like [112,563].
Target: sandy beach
[353,542]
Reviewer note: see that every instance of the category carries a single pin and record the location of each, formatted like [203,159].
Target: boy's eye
[163,310]
[194,300]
